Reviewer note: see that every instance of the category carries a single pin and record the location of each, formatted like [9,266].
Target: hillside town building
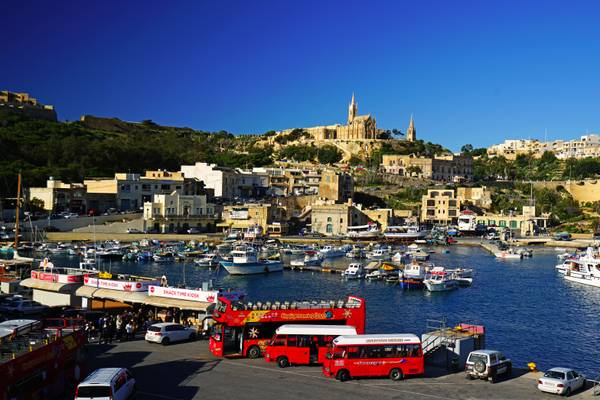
[21,103]
[176,212]
[440,206]
[447,168]
[585,146]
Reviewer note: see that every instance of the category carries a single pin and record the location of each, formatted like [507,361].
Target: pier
[188,371]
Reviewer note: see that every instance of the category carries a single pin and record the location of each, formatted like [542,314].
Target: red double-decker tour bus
[246,328]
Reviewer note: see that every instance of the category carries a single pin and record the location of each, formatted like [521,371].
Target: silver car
[561,381]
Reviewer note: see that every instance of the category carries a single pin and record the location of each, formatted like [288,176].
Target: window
[328,219]
[513,224]
[279,341]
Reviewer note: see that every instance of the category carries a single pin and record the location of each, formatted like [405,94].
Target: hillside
[100,147]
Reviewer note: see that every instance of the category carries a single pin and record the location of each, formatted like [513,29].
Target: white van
[106,384]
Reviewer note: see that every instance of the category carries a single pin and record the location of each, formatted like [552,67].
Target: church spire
[411,132]
[352,110]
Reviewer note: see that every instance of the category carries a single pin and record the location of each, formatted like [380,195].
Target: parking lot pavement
[188,371]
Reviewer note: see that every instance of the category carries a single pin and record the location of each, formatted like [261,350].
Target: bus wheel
[254,352]
[396,374]
[343,375]
[283,362]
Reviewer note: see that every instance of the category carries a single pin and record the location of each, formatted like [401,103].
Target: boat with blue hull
[245,261]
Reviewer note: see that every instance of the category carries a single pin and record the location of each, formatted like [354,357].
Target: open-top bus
[393,355]
[245,328]
[300,344]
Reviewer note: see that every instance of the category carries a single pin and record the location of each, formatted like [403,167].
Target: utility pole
[18,209]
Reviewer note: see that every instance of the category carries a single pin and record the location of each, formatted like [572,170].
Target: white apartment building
[228,183]
[175,211]
[586,146]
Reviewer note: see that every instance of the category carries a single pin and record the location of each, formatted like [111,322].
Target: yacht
[417,253]
[438,280]
[585,270]
[354,271]
[245,261]
[311,259]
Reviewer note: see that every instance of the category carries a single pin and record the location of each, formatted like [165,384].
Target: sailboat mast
[18,210]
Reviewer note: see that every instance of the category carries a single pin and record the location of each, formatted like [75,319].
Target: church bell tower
[352,110]
[411,132]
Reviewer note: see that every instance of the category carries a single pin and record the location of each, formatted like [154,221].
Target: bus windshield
[221,306]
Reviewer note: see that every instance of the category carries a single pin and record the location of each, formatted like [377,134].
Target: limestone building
[447,168]
[21,103]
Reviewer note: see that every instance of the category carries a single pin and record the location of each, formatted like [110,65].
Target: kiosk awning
[86,291]
[181,304]
[119,295]
[67,288]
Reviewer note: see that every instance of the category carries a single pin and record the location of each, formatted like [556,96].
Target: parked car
[193,231]
[487,364]
[133,230]
[21,306]
[561,381]
[169,332]
[107,384]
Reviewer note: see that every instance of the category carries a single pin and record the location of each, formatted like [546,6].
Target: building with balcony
[58,196]
[527,223]
[133,190]
[440,206]
[227,183]
[177,212]
[446,168]
[272,218]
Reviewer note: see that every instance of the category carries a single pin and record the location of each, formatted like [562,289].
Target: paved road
[187,371]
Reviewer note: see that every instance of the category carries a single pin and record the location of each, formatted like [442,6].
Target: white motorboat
[331,251]
[354,271]
[377,275]
[563,267]
[207,260]
[163,257]
[365,232]
[412,232]
[311,259]
[379,253]
[566,255]
[464,276]
[401,258]
[585,270]
[438,280]
[510,254]
[245,261]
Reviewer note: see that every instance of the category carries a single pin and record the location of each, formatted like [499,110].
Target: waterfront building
[177,212]
[478,196]
[21,103]
[58,196]
[133,190]
[227,183]
[447,168]
[440,206]
[527,223]
[308,181]
[271,218]
[334,219]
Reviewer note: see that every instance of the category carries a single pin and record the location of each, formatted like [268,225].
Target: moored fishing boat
[245,261]
[207,260]
[438,280]
[412,276]
[364,232]
[354,271]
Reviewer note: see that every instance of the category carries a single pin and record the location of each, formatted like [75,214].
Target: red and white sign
[52,277]
[126,286]
[208,296]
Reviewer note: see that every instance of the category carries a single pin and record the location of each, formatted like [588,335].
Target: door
[303,350]
[231,339]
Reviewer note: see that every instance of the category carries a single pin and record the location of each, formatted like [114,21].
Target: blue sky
[470,71]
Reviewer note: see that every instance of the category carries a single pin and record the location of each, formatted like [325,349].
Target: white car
[561,381]
[169,332]
[107,384]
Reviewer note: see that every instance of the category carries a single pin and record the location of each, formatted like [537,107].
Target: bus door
[298,348]
[232,340]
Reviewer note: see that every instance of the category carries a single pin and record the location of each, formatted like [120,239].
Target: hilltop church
[359,128]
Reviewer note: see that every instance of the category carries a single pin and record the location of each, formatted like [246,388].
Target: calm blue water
[529,311]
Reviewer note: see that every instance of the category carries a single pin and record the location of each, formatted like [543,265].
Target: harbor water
[530,312]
